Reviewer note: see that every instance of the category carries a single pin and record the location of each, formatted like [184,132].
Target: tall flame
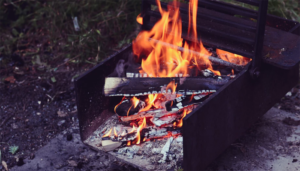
[163,60]
[141,127]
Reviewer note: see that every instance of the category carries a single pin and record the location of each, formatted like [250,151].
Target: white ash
[165,150]
[164,120]
[149,151]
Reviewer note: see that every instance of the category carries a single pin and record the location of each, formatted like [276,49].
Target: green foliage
[102,24]
[13,149]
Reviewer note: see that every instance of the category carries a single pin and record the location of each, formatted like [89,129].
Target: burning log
[184,101]
[115,86]
[211,58]
[150,113]
[129,107]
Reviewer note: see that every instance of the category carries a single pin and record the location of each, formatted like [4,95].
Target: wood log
[115,86]
[211,58]
[150,113]
[184,101]
[126,108]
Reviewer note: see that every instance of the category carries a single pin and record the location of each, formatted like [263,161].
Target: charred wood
[115,86]
[184,101]
[126,108]
[150,113]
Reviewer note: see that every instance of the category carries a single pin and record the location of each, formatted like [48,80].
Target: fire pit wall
[215,123]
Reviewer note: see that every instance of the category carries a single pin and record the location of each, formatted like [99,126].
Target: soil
[35,106]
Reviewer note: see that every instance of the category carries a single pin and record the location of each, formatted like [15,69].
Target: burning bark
[211,58]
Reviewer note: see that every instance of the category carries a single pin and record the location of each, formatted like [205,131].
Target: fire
[163,60]
[150,101]
[139,19]
[141,127]
[133,129]
[135,101]
[119,104]
[233,58]
[172,86]
[108,133]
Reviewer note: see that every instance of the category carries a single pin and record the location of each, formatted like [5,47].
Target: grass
[41,31]
[38,27]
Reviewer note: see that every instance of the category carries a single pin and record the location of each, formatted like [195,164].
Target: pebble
[61,122]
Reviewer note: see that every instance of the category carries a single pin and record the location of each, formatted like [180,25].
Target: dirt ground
[34,108]
[37,107]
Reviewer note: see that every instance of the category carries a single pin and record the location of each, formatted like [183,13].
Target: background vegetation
[40,31]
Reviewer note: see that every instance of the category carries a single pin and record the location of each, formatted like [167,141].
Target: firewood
[149,113]
[184,101]
[115,86]
[109,145]
[126,108]
[211,58]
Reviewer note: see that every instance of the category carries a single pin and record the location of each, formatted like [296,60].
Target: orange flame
[135,101]
[171,86]
[141,127]
[163,60]
[128,143]
[108,133]
[180,123]
[150,102]
[185,112]
[139,19]
[133,129]
[233,58]
[119,104]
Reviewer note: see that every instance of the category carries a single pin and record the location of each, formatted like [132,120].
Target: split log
[184,101]
[211,58]
[115,86]
[150,113]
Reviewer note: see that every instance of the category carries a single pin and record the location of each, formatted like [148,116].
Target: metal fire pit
[229,112]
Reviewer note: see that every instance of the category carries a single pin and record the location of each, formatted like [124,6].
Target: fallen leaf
[53,79]
[62,113]
[10,79]
[4,165]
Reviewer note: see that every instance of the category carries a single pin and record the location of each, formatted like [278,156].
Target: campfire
[137,103]
[172,77]
[164,79]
